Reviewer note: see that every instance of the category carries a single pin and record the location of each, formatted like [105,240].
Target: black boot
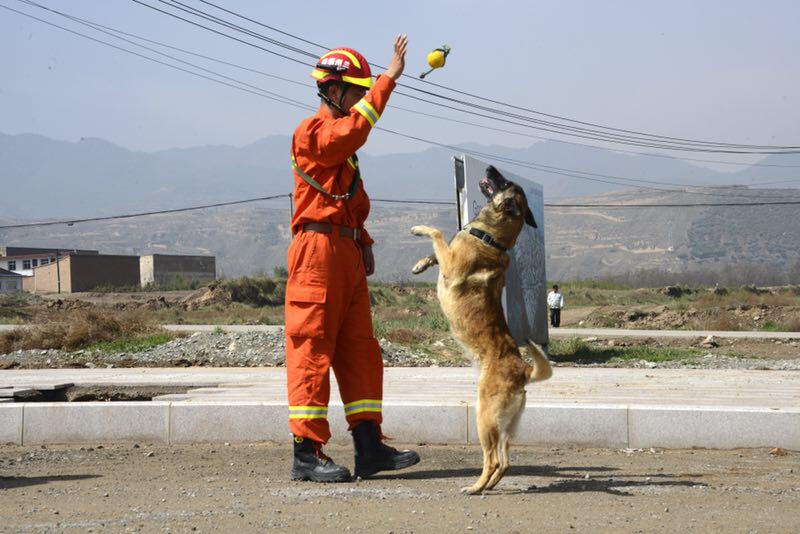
[372,455]
[310,463]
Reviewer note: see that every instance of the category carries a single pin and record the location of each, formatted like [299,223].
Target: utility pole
[58,271]
[291,205]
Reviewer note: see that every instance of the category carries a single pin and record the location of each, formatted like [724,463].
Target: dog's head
[507,198]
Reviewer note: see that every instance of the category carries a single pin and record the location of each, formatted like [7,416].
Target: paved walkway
[591,407]
[672,387]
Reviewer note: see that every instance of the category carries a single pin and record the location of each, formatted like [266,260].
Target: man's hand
[398,63]
[369,259]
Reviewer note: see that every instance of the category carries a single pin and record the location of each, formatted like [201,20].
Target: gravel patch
[268,349]
[246,349]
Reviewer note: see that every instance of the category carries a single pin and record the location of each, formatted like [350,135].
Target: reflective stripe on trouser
[329,325]
[308,412]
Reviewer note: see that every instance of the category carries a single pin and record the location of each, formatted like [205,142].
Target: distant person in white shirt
[555,301]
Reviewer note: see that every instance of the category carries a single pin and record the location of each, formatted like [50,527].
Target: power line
[70,222]
[403,201]
[571,130]
[221,33]
[98,27]
[583,123]
[566,172]
[282,100]
[678,205]
[524,164]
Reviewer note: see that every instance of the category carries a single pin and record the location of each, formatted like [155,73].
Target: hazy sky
[723,70]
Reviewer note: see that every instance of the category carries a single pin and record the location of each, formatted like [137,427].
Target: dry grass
[79,329]
[791,325]
[715,319]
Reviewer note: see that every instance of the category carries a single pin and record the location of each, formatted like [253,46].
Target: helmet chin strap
[328,100]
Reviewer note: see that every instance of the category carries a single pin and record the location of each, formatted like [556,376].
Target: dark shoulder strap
[352,161]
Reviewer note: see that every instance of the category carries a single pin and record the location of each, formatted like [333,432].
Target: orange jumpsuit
[328,318]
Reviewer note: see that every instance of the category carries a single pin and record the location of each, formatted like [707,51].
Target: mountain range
[46,179]
[94,177]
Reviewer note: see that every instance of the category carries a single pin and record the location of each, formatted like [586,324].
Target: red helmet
[343,65]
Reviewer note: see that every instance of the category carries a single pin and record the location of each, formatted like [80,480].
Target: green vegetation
[280,272]
[80,329]
[178,283]
[135,344]
[578,351]
[14,308]
[256,291]
[408,315]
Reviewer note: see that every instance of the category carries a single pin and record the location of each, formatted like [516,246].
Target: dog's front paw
[471,490]
[422,265]
[420,230]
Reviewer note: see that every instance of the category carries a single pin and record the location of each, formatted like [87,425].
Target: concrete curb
[588,425]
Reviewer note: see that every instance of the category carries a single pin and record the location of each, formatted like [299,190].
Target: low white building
[10,282]
[23,260]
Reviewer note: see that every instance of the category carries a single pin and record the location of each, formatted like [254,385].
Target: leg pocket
[305,308]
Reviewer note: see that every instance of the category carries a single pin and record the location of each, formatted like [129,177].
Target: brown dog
[471,279]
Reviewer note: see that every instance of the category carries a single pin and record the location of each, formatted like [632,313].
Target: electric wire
[70,222]
[221,33]
[524,164]
[282,100]
[635,134]
[392,106]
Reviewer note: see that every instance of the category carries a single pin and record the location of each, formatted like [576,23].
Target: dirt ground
[245,488]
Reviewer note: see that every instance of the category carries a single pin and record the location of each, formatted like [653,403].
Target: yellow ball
[436,59]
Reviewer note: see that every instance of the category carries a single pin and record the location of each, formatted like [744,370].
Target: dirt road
[245,488]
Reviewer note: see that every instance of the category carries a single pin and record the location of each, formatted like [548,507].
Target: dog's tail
[541,369]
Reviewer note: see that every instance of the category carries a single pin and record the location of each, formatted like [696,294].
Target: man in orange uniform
[328,319]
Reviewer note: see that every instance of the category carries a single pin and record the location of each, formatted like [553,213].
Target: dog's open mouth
[486,188]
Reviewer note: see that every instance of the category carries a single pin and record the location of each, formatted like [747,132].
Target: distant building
[84,272]
[10,282]
[22,260]
[166,269]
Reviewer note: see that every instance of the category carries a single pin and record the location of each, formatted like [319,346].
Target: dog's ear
[529,218]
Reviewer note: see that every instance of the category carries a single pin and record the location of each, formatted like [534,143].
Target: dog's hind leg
[489,436]
[507,425]
[502,460]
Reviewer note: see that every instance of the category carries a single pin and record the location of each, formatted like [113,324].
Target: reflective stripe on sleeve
[367,111]
[363,405]
[308,412]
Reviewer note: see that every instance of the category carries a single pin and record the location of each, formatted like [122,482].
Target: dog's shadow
[605,480]
[514,470]
[612,486]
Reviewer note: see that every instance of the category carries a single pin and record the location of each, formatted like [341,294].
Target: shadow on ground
[514,470]
[21,482]
[610,486]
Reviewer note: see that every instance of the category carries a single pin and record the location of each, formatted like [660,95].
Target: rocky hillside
[581,243]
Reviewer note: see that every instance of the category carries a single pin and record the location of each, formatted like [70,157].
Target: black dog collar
[486,238]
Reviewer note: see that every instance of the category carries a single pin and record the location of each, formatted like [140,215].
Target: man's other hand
[369,259]
[398,63]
